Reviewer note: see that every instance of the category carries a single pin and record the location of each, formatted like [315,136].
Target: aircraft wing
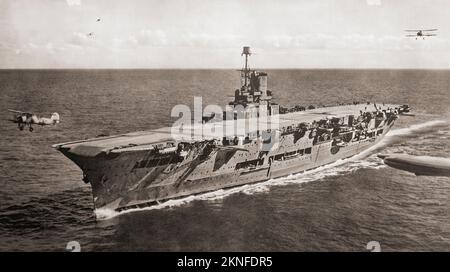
[411,35]
[19,112]
[411,30]
[419,165]
[434,29]
[429,35]
[11,120]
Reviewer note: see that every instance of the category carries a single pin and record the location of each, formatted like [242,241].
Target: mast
[246,51]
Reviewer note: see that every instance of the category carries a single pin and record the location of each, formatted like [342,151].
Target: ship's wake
[399,135]
[365,160]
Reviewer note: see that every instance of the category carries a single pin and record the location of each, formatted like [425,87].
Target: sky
[53,34]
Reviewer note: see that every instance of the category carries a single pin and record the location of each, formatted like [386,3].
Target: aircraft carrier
[226,149]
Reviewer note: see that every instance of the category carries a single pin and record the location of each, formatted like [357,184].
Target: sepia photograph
[203,126]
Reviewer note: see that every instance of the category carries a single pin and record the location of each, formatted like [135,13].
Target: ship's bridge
[253,98]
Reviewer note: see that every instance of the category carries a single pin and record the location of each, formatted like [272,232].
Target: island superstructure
[145,168]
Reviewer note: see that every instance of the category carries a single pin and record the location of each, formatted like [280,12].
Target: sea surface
[44,203]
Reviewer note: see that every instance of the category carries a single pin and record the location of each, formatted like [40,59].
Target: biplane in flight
[23,119]
[421,33]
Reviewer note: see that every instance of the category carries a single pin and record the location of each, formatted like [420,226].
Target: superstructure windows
[249,164]
[290,155]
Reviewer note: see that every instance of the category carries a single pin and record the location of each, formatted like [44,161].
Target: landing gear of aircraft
[31,129]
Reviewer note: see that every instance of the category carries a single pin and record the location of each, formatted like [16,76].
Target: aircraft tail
[55,118]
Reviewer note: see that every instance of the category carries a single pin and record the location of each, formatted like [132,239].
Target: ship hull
[156,195]
[139,178]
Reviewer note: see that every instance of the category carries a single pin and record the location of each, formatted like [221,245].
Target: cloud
[209,40]
[373,2]
[32,45]
[307,41]
[349,42]
[73,2]
[78,39]
[50,48]
[160,38]
[43,48]
[150,37]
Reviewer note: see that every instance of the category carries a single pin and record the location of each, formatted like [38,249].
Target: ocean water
[339,207]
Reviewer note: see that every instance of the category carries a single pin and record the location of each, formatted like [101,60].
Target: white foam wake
[339,167]
[415,128]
